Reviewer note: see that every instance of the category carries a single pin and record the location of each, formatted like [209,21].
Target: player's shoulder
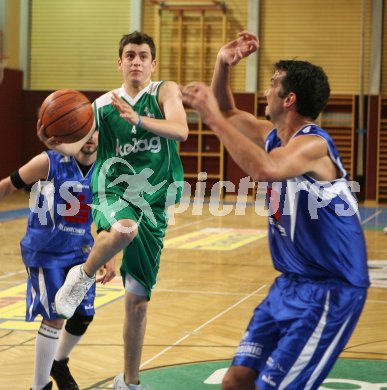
[106,98]
[318,134]
[167,90]
[312,129]
[52,154]
[157,87]
[168,85]
[57,158]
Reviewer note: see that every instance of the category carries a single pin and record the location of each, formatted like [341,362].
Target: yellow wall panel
[384,53]
[181,61]
[74,43]
[13,21]
[325,32]
[237,16]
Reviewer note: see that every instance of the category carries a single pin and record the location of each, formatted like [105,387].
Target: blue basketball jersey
[58,230]
[314,227]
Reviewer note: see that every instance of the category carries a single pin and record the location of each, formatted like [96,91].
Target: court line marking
[375,301]
[9,274]
[201,326]
[197,292]
[372,216]
[171,229]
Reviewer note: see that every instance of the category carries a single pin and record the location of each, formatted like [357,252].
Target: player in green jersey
[137,173]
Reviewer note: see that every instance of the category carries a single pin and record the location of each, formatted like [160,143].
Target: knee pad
[78,324]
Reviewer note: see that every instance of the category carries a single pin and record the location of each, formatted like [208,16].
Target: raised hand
[125,110]
[51,142]
[245,44]
[107,272]
[200,97]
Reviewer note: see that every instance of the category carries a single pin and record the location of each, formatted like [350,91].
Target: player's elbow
[262,174]
[231,112]
[183,135]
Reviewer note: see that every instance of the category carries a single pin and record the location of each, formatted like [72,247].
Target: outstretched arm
[174,126]
[35,169]
[301,155]
[229,55]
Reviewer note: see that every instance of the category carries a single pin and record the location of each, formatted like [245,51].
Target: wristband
[139,120]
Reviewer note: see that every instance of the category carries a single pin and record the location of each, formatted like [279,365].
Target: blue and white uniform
[58,235]
[317,243]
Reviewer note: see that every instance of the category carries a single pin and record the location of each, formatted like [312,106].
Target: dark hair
[309,83]
[138,38]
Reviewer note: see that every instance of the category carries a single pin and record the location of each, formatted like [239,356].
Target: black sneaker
[47,387]
[62,376]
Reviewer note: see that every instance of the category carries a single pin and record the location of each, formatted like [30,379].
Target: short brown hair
[138,38]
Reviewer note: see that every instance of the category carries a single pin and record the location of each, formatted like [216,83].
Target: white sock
[66,344]
[45,347]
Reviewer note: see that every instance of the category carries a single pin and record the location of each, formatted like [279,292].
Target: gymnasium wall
[384,51]
[74,45]
[11,117]
[327,33]
[167,36]
[86,57]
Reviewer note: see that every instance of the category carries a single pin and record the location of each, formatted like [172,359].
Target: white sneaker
[119,384]
[71,294]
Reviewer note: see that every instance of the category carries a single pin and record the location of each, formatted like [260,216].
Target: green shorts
[141,258]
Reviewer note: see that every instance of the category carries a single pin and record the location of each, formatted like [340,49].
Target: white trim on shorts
[134,287]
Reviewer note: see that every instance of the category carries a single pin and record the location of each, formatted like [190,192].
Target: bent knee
[124,232]
[141,308]
[239,378]
[232,383]
[57,324]
[136,304]
[78,324]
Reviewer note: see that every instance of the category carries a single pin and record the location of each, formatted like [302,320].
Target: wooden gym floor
[214,271]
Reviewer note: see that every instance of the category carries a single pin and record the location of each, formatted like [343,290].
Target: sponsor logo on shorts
[249,349]
[71,230]
[274,365]
[245,335]
[268,380]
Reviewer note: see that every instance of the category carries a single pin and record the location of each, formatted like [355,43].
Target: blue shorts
[42,285]
[298,331]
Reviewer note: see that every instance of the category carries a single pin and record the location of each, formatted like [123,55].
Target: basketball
[66,115]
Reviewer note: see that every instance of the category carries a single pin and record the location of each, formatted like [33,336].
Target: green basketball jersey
[133,163]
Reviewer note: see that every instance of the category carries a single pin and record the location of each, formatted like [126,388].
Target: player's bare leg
[108,244]
[81,277]
[239,378]
[133,334]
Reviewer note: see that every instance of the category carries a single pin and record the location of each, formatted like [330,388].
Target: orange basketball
[67,115]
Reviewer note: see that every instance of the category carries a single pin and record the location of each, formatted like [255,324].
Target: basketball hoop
[3,64]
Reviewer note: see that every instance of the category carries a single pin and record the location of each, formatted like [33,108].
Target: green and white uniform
[136,175]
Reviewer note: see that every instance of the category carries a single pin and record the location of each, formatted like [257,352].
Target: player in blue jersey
[58,237]
[315,235]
